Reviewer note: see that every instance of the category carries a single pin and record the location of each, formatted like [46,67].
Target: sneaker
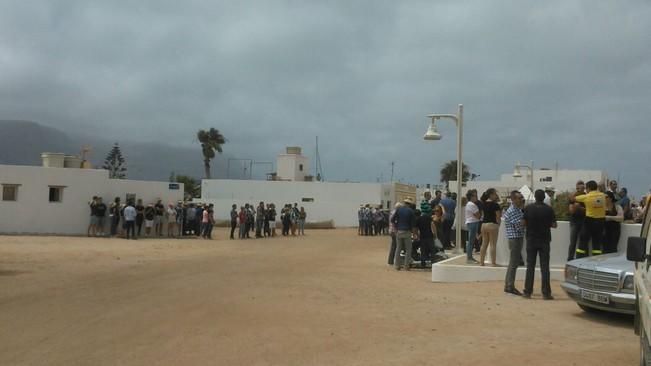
[548,297]
[471,261]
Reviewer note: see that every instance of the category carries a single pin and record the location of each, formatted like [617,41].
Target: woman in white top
[473,219]
[171,221]
[612,226]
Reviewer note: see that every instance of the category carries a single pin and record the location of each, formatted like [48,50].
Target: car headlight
[629,283]
[570,273]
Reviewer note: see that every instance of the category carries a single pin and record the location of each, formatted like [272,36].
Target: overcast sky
[549,81]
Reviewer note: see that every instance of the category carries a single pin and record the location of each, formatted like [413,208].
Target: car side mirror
[636,249]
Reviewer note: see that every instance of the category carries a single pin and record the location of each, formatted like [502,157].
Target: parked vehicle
[637,251]
[603,282]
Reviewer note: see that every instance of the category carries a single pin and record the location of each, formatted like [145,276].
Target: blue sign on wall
[174,186]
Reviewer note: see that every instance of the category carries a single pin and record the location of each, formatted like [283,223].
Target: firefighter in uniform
[595,216]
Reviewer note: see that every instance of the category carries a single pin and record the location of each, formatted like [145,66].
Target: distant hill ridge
[22,142]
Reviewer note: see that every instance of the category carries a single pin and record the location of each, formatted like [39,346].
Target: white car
[604,282]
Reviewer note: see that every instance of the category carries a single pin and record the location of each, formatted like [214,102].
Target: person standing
[302,216]
[130,215]
[100,214]
[242,220]
[205,221]
[595,215]
[114,214]
[272,220]
[150,214]
[159,209]
[612,224]
[437,199]
[233,220]
[490,226]
[140,216]
[170,215]
[473,219]
[538,219]
[259,220]
[425,237]
[92,225]
[392,232]
[405,222]
[360,219]
[515,234]
[577,218]
[449,205]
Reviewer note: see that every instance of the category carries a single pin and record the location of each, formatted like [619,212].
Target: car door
[643,285]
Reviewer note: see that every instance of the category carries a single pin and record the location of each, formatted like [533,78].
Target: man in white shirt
[130,220]
[473,219]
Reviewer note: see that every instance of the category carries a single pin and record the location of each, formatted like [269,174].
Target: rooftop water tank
[72,161]
[293,150]
[53,160]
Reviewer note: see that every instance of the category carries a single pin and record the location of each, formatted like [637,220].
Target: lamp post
[517,174]
[433,135]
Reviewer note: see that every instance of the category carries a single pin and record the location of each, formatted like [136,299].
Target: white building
[292,165]
[54,200]
[561,180]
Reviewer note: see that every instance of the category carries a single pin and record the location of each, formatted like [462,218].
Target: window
[300,167]
[10,192]
[305,199]
[56,193]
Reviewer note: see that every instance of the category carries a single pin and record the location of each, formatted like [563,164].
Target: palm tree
[449,172]
[211,141]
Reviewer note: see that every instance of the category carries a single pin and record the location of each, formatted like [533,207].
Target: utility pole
[392,165]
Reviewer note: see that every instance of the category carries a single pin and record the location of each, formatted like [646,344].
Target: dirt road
[324,299]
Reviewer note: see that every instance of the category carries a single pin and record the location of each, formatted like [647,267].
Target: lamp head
[516,171]
[432,134]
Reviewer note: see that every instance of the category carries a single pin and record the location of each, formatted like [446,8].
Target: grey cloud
[559,81]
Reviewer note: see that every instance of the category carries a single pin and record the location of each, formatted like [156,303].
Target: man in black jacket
[538,220]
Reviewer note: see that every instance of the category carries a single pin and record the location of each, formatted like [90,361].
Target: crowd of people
[171,220]
[596,214]
[373,220]
[185,219]
[261,220]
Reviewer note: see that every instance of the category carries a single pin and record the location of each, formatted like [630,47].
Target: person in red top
[242,218]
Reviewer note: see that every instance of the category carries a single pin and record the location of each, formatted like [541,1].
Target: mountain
[22,142]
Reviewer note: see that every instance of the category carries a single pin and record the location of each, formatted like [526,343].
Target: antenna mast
[318,167]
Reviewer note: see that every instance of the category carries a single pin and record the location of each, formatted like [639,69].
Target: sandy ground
[324,299]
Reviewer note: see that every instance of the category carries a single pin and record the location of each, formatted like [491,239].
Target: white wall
[33,213]
[332,201]
[560,243]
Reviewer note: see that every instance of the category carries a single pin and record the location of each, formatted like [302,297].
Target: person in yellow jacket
[595,216]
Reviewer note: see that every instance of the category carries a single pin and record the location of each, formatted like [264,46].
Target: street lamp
[517,174]
[432,134]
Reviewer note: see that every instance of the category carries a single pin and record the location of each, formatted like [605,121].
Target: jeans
[446,231]
[575,234]
[233,226]
[301,227]
[612,231]
[130,228]
[115,220]
[392,250]
[515,246]
[537,247]
[403,241]
[473,228]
